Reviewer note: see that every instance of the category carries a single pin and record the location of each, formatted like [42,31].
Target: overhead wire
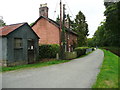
[69,8]
[57,5]
[56,9]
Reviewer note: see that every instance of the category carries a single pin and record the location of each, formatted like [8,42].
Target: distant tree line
[108,33]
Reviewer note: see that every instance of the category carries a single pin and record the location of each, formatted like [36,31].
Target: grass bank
[36,65]
[108,76]
[115,50]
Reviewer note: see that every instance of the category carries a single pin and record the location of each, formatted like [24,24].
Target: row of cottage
[20,42]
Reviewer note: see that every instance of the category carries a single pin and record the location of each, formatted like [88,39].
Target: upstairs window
[18,43]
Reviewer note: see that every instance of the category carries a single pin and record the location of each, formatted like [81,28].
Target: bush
[93,49]
[115,50]
[48,51]
[81,51]
[70,55]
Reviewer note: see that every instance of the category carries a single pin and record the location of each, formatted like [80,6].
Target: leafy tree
[58,19]
[112,24]
[90,42]
[81,27]
[108,34]
[2,23]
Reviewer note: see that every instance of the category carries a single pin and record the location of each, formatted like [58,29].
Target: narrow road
[78,73]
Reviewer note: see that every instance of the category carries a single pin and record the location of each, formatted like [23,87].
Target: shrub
[81,51]
[115,50]
[48,51]
[70,55]
[93,49]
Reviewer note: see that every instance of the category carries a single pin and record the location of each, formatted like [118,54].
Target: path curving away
[78,73]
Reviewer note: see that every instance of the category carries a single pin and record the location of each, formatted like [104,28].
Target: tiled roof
[5,30]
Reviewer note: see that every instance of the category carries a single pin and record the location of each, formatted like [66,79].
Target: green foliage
[70,55]
[108,34]
[48,51]
[90,42]
[36,65]
[115,50]
[58,19]
[81,27]
[81,51]
[108,76]
[32,23]
[2,23]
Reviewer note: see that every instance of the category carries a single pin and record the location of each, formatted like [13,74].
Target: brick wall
[71,40]
[48,33]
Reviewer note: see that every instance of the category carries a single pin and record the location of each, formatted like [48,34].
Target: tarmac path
[78,73]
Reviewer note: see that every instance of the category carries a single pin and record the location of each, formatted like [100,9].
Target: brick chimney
[43,10]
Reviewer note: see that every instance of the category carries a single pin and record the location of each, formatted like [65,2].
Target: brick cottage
[49,30]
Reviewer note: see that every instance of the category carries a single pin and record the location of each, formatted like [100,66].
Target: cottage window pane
[18,43]
[30,44]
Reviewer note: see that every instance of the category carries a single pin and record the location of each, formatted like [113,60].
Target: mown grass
[108,76]
[36,65]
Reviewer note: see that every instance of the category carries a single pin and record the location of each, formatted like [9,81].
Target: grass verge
[108,76]
[37,65]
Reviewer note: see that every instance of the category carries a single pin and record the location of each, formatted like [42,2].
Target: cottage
[19,45]
[49,30]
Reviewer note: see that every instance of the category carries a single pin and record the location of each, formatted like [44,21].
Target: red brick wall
[48,33]
[71,39]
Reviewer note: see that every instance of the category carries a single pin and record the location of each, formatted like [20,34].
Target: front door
[30,51]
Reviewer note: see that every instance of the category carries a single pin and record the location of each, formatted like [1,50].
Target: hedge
[115,50]
[48,51]
[81,51]
[70,55]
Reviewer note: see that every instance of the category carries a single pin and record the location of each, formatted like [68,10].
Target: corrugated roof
[5,30]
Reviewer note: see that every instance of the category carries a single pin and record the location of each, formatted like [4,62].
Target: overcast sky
[17,11]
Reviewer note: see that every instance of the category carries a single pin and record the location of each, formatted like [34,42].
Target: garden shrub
[48,51]
[115,50]
[70,55]
[81,51]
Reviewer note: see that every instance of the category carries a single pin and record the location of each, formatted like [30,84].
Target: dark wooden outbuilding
[19,45]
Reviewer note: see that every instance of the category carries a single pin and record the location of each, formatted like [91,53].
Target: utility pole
[60,15]
[62,31]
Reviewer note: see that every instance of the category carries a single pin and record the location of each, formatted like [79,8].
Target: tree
[112,23]
[90,42]
[108,34]
[58,19]
[81,27]
[2,23]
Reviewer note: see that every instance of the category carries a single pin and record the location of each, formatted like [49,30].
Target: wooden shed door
[31,51]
